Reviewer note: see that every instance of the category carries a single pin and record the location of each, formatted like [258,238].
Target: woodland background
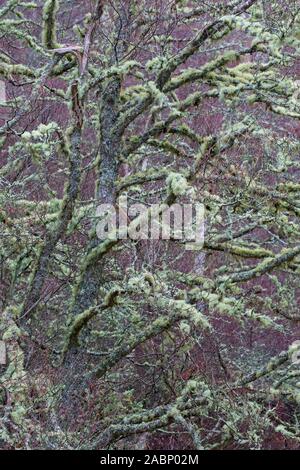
[143,344]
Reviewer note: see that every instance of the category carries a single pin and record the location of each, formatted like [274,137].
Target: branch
[179,310]
[270,367]
[285,256]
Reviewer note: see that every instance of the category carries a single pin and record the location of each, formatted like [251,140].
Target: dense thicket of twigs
[142,343]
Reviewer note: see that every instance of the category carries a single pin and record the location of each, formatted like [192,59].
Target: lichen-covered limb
[193,75]
[174,63]
[15,29]
[191,429]
[7,69]
[282,109]
[97,252]
[212,145]
[218,145]
[72,191]
[53,236]
[274,197]
[15,379]
[239,250]
[82,319]
[142,177]
[221,144]
[290,375]
[285,256]
[208,33]
[149,421]
[16,69]
[223,238]
[163,416]
[49,23]
[178,310]
[9,7]
[162,126]
[131,114]
[271,366]
[39,83]
[87,288]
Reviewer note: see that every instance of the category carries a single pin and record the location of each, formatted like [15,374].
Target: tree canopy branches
[161,105]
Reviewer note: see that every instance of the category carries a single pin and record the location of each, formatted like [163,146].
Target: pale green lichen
[12,332]
[177,184]
[16,69]
[18,414]
[185,327]
[156,64]
[49,23]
